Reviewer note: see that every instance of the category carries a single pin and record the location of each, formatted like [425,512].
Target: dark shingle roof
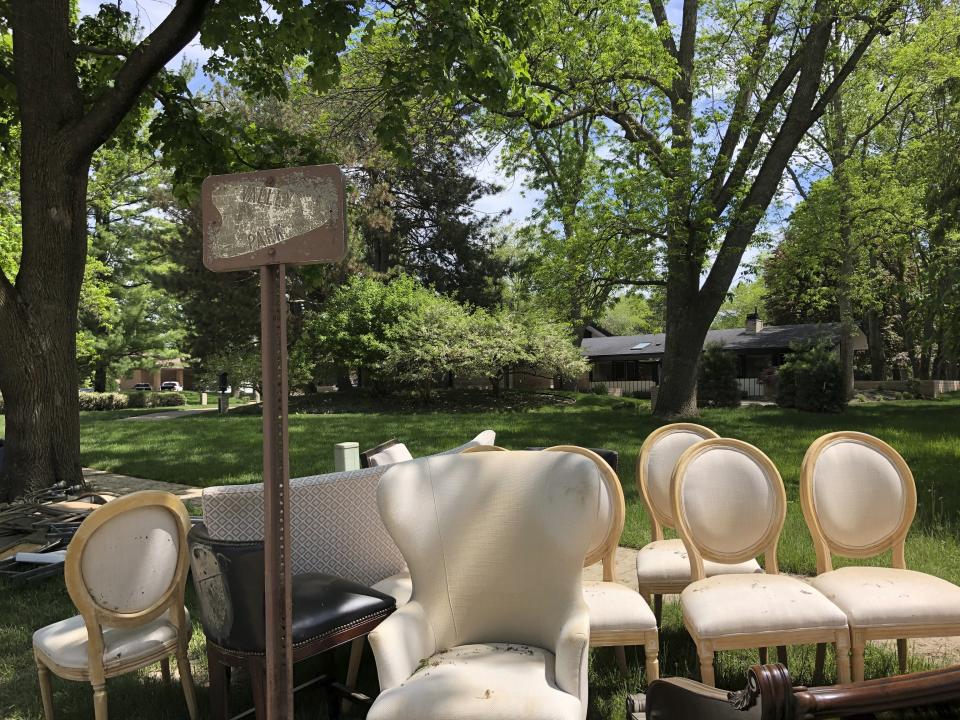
[773,337]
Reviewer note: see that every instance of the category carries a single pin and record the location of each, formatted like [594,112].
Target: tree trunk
[878,360]
[687,323]
[38,317]
[100,378]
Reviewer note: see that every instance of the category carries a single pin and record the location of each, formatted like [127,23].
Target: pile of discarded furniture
[464,572]
[36,530]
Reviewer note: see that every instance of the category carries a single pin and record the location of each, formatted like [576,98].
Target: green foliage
[167,399]
[104,401]
[717,381]
[634,315]
[747,296]
[811,379]
[402,332]
[138,400]
[599,389]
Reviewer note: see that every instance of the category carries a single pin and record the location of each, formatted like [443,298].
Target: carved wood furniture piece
[662,565]
[859,499]
[126,570]
[771,695]
[497,626]
[730,505]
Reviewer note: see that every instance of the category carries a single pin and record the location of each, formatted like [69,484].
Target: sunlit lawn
[208,450]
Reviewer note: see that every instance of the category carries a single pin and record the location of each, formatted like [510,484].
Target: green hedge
[811,379]
[102,401]
[717,378]
[122,401]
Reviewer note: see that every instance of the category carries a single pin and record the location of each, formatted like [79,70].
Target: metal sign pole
[276,495]
[270,219]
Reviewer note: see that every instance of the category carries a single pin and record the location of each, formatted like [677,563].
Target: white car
[171,385]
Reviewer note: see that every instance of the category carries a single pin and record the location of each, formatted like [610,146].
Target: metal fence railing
[750,388]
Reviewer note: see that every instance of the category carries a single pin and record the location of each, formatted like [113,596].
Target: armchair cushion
[65,642]
[753,604]
[617,608]
[494,681]
[666,561]
[878,596]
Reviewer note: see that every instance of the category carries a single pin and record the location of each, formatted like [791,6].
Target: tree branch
[106,52]
[660,17]
[144,62]
[796,182]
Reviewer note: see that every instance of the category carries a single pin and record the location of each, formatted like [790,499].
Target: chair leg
[902,655]
[100,702]
[706,667]
[46,691]
[855,649]
[258,683]
[186,680]
[652,665]
[763,655]
[219,686]
[353,668]
[165,670]
[658,608]
[782,655]
[819,663]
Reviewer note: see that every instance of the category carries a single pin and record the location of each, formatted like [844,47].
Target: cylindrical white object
[346,456]
[48,558]
[203,399]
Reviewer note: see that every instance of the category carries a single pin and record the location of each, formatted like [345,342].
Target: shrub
[812,379]
[600,389]
[103,401]
[137,400]
[717,380]
[167,399]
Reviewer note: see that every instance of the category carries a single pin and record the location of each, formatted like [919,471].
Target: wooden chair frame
[654,592]
[765,545]
[606,554]
[826,546]
[95,615]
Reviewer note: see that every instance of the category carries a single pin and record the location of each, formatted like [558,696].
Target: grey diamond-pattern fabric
[336,527]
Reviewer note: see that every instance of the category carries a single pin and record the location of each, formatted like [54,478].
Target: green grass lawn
[209,450]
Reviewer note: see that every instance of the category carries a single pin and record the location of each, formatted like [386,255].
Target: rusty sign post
[268,220]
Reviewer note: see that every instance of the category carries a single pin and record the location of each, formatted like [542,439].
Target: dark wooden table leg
[258,683]
[219,673]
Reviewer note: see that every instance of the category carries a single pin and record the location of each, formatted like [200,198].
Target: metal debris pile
[42,523]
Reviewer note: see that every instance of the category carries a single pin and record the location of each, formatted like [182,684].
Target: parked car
[172,385]
[143,387]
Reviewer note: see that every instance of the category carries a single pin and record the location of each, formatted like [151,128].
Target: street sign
[268,220]
[294,216]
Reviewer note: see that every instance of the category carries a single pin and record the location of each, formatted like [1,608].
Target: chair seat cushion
[399,587]
[617,608]
[746,604]
[65,642]
[325,604]
[493,682]
[665,561]
[878,596]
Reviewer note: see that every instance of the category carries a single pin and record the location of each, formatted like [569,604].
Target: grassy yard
[209,450]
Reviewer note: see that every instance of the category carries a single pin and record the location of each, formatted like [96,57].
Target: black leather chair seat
[228,577]
[324,605]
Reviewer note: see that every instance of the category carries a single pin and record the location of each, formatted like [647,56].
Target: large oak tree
[713,108]
[66,86]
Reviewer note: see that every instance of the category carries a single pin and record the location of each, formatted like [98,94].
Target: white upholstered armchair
[497,626]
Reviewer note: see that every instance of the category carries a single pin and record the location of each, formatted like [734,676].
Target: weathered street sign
[269,220]
[294,216]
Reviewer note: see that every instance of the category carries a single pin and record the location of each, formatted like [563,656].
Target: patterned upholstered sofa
[335,526]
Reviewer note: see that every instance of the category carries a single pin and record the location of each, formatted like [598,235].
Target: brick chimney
[754,323]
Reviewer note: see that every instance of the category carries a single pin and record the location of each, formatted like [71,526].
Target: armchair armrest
[571,653]
[400,643]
